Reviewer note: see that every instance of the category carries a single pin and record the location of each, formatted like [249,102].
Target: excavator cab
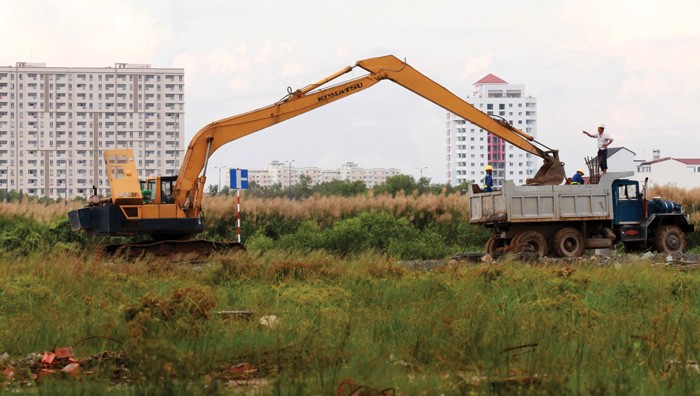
[158,190]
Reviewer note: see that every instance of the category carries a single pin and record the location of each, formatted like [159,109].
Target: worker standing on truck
[604,141]
[488,179]
[577,178]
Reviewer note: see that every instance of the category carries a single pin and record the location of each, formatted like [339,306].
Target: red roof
[656,161]
[491,79]
[689,161]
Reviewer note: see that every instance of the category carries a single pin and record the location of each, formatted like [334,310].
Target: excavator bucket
[551,173]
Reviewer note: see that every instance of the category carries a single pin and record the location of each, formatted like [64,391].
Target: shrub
[348,236]
[306,237]
[21,235]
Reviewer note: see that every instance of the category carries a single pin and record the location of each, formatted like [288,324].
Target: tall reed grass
[330,209]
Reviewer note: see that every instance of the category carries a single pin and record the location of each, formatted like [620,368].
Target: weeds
[465,329]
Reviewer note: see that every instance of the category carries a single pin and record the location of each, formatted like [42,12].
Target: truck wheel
[568,242]
[534,239]
[670,239]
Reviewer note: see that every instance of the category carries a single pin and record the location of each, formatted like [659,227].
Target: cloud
[266,52]
[342,51]
[238,84]
[242,64]
[228,60]
[47,31]
[477,65]
[293,68]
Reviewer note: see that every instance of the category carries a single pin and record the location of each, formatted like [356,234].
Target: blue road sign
[239,178]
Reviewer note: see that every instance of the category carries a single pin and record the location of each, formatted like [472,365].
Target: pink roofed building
[470,148]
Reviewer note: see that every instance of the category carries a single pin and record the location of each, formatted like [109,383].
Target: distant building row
[284,174]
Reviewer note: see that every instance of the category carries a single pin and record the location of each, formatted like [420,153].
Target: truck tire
[533,238]
[670,239]
[568,242]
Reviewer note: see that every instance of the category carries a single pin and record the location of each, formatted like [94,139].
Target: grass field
[593,328]
[345,319]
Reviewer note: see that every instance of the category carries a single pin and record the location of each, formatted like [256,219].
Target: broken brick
[62,353]
[48,357]
[72,369]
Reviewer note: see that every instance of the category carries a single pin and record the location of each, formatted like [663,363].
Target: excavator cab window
[148,190]
[145,192]
[167,185]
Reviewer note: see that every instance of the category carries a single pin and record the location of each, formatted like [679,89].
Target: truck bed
[516,204]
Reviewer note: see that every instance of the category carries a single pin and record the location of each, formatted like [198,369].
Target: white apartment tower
[470,148]
[56,122]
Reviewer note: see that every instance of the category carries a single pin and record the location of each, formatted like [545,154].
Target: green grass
[627,329]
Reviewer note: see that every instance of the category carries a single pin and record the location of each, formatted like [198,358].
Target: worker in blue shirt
[578,177]
[488,180]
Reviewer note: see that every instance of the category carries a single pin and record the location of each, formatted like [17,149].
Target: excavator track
[187,250]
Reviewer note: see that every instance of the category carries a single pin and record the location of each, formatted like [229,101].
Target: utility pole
[289,183]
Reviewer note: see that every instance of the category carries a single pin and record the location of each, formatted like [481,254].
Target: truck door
[627,202]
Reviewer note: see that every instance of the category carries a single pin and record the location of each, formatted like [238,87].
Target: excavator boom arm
[213,136]
[406,76]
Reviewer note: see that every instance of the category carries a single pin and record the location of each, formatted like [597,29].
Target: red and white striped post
[238,212]
[239,180]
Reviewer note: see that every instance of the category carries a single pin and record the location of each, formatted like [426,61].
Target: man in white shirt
[604,141]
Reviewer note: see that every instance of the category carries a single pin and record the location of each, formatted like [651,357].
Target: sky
[632,65]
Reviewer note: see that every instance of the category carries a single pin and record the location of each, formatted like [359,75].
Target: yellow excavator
[173,212]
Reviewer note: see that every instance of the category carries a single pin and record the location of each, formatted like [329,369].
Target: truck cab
[628,202]
[642,223]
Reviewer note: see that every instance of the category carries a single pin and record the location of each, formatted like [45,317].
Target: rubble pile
[62,363]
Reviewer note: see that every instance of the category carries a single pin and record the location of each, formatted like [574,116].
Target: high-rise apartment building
[470,148]
[56,122]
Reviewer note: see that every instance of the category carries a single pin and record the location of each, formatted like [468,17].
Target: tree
[213,189]
[303,188]
[344,188]
[423,185]
[397,183]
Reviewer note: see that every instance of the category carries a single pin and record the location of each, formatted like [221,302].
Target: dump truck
[565,220]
